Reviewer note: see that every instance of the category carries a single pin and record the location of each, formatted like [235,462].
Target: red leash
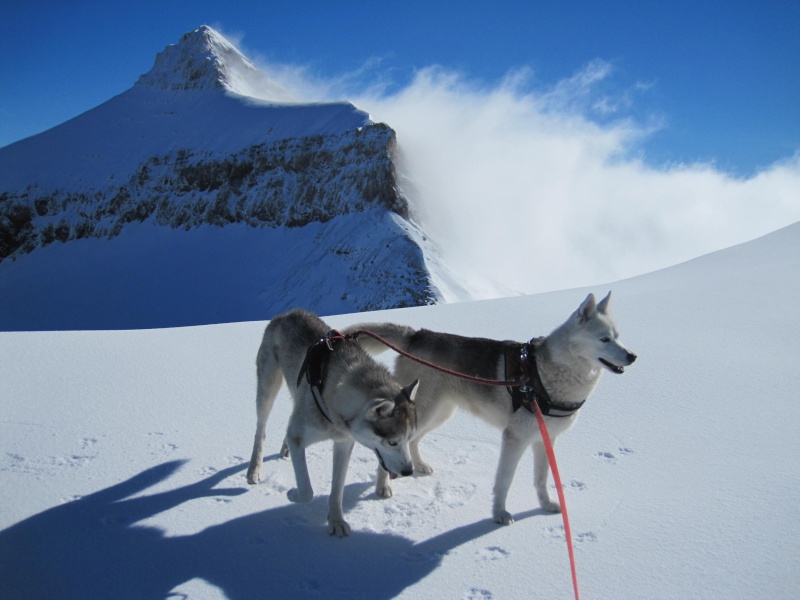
[422,361]
[551,457]
[548,445]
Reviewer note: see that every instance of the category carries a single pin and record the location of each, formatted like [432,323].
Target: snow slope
[123,458]
[153,276]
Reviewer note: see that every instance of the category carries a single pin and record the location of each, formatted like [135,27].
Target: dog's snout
[407,472]
[631,358]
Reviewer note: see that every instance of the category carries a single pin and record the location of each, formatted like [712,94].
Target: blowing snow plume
[548,188]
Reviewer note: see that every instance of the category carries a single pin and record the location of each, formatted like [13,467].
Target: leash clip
[329,337]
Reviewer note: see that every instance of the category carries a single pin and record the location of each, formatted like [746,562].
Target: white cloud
[523,185]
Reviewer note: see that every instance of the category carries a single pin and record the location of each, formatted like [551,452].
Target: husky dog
[564,368]
[355,399]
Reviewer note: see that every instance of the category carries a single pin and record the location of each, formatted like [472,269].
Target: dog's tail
[397,335]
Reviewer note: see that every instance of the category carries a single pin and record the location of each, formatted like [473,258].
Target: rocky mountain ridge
[289,182]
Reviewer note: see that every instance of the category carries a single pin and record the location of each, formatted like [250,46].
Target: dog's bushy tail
[397,335]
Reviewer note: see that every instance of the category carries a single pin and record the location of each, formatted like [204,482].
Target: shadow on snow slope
[91,548]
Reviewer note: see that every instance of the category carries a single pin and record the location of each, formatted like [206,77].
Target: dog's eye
[393,442]
[605,340]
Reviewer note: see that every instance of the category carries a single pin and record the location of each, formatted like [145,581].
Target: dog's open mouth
[383,465]
[612,367]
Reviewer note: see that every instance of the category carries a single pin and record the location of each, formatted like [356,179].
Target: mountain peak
[205,60]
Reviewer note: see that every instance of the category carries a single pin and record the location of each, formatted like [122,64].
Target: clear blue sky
[723,75]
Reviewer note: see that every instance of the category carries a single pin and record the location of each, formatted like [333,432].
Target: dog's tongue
[393,475]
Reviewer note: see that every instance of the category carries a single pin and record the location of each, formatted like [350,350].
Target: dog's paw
[423,468]
[503,517]
[295,495]
[253,475]
[338,527]
[550,506]
[384,491]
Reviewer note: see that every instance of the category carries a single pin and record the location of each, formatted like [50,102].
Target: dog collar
[521,365]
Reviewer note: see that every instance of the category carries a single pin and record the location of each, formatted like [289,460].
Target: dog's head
[597,338]
[387,426]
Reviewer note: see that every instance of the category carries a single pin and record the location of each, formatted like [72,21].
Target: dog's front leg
[297,451]
[541,474]
[420,466]
[510,452]
[383,488]
[341,459]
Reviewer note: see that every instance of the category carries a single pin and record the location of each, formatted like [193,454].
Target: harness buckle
[329,337]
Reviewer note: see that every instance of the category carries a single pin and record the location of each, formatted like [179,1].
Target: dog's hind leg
[297,451]
[341,459]
[541,473]
[269,383]
[510,452]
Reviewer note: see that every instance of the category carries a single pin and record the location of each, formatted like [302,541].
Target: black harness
[315,366]
[521,366]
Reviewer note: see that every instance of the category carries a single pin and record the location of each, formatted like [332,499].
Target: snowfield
[122,460]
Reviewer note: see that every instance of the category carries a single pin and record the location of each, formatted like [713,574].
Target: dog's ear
[410,390]
[602,308]
[380,408]
[587,308]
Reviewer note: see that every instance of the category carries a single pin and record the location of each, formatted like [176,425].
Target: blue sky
[716,81]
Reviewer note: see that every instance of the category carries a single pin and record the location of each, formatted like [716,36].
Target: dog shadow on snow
[92,548]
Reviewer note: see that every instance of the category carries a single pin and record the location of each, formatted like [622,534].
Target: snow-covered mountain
[204,194]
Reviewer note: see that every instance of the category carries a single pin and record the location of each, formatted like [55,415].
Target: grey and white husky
[357,399]
[564,368]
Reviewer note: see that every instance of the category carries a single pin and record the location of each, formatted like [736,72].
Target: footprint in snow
[610,457]
[478,594]
[493,553]
[294,520]
[558,533]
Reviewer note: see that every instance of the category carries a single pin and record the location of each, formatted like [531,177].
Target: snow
[151,276]
[122,459]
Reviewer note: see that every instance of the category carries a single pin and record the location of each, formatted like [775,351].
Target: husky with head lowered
[340,393]
[560,371]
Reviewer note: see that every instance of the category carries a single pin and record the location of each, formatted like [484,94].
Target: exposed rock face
[289,182]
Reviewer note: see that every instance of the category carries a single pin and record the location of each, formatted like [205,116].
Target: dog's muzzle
[392,474]
[619,370]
